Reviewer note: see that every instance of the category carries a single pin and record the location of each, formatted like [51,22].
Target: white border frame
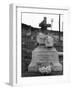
[15,47]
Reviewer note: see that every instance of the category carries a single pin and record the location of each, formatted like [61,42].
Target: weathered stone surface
[43,56]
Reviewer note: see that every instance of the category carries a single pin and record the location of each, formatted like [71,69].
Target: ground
[30,74]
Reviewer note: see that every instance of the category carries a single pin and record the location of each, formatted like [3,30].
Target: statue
[44,24]
[45,57]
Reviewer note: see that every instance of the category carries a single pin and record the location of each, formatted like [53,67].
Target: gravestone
[43,56]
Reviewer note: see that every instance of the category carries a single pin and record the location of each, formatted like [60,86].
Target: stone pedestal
[43,56]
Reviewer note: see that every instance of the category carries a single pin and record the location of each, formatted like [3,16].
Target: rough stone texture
[43,56]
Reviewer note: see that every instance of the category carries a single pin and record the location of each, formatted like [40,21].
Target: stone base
[33,69]
[57,67]
[42,56]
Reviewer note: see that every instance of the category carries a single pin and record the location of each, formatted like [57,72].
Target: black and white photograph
[41,44]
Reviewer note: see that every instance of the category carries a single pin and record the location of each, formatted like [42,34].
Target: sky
[34,20]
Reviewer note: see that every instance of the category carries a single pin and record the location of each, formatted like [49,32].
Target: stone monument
[45,57]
